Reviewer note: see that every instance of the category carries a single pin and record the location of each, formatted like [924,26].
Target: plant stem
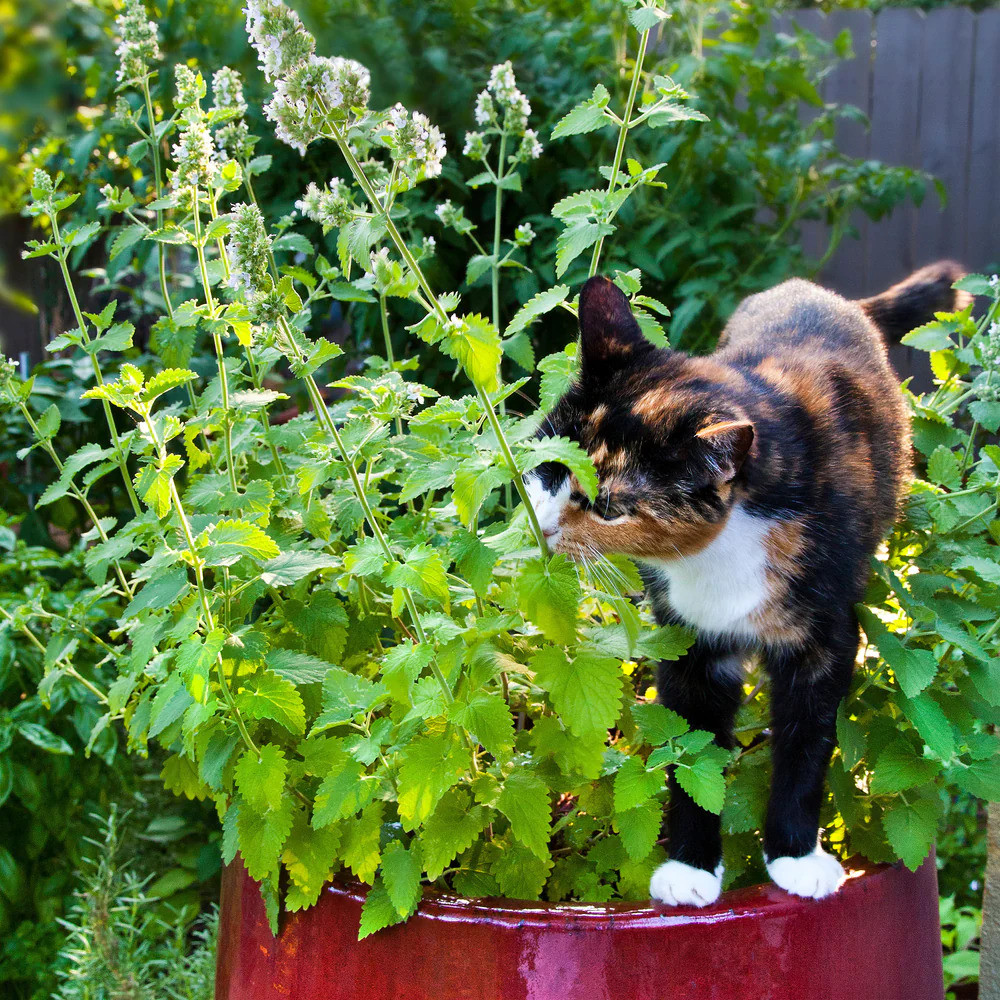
[197,564]
[438,310]
[384,314]
[78,314]
[227,428]
[154,152]
[495,276]
[622,133]
[327,422]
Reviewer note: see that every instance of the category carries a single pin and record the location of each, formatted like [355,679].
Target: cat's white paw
[816,875]
[678,884]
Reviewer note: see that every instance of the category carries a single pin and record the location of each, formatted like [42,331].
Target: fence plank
[945,92]
[851,83]
[982,227]
[891,250]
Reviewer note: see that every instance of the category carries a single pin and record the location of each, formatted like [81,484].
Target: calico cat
[752,486]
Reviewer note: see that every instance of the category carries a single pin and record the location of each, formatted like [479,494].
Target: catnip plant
[335,609]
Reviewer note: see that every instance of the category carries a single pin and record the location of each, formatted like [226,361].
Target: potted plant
[344,625]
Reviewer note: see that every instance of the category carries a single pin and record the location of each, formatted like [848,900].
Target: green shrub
[333,616]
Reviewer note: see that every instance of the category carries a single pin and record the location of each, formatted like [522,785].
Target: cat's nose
[549,532]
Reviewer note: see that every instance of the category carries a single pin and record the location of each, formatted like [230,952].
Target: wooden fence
[930,85]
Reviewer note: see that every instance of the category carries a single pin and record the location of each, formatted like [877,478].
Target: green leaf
[548,594]
[290,567]
[452,828]
[161,382]
[658,724]
[520,873]
[346,695]
[930,721]
[344,791]
[634,785]
[576,238]
[474,559]
[487,716]
[401,877]
[943,467]
[262,836]
[310,856]
[639,828]
[564,451]
[362,837]
[377,911]
[160,592]
[911,829]
[422,570]
[152,482]
[44,739]
[268,696]
[899,767]
[587,116]
[430,766]
[981,778]
[230,540]
[703,779]
[539,304]
[914,668]
[261,781]
[585,689]
[559,371]
[524,800]
[474,482]
[474,343]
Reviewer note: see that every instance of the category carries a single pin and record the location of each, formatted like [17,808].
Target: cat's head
[668,443]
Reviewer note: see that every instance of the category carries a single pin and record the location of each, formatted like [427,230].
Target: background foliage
[914,739]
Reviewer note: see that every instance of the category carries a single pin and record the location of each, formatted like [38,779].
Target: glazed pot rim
[753,901]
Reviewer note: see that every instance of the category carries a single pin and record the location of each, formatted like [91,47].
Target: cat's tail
[913,301]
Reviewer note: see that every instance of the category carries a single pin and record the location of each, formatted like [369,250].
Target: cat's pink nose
[549,532]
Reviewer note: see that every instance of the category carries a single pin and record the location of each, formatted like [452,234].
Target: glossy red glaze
[877,938]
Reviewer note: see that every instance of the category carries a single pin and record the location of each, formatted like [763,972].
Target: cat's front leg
[705,687]
[807,685]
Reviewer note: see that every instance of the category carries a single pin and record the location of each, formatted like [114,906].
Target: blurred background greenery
[740,190]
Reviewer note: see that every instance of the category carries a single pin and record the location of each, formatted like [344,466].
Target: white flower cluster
[190,87]
[227,91]
[278,36]
[138,46]
[194,154]
[524,234]
[313,88]
[502,109]
[233,139]
[413,139]
[248,247]
[331,206]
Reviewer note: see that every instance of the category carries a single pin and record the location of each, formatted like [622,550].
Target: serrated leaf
[930,721]
[911,829]
[639,828]
[346,695]
[576,238]
[230,540]
[475,560]
[310,856]
[345,790]
[520,873]
[899,767]
[548,594]
[658,724]
[564,451]
[377,911]
[268,696]
[261,780]
[585,689]
[703,779]
[634,785]
[559,372]
[430,765]
[587,116]
[539,304]
[361,851]
[401,876]
[524,800]
[487,717]
[262,836]
[452,828]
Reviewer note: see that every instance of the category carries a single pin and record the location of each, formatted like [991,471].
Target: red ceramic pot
[877,938]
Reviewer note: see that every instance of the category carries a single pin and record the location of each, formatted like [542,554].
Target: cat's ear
[728,443]
[609,335]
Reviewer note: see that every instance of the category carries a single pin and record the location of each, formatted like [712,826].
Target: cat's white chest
[718,589]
